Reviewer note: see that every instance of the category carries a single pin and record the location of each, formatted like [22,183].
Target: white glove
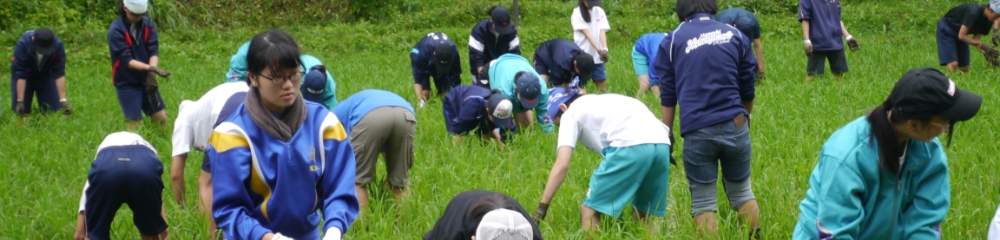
[278,236]
[332,234]
[808,43]
[849,37]
[422,102]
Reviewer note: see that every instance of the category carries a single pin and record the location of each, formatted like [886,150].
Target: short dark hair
[274,50]
[685,8]
[489,203]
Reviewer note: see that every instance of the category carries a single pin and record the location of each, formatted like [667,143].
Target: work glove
[65,108]
[278,236]
[158,71]
[809,47]
[333,234]
[853,43]
[540,212]
[20,108]
[760,77]
[991,54]
[672,143]
[996,37]
[604,55]
[151,85]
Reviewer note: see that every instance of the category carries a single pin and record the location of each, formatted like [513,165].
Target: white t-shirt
[195,120]
[115,139]
[598,22]
[610,120]
[994,230]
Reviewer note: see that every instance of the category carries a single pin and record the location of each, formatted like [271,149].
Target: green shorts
[637,174]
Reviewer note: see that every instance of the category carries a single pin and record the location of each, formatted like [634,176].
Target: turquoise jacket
[238,72]
[850,197]
[262,184]
[502,78]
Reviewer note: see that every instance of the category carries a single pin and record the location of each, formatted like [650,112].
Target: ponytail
[885,137]
[584,11]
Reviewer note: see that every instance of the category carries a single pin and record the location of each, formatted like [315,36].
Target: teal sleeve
[923,216]
[840,209]
[542,112]
[330,93]
[238,65]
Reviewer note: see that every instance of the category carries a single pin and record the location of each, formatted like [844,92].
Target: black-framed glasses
[279,80]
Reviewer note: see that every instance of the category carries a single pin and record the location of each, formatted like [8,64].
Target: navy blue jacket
[25,64]
[422,56]
[708,68]
[485,45]
[743,20]
[555,58]
[465,109]
[824,23]
[125,47]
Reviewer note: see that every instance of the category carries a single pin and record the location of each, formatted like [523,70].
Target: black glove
[540,212]
[672,143]
[760,77]
[853,44]
[19,108]
[151,85]
[604,55]
[65,108]
[158,71]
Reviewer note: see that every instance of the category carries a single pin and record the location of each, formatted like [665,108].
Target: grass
[46,158]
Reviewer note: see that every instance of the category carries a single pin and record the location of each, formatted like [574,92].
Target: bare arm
[177,177]
[137,65]
[21,85]
[604,38]
[154,61]
[758,51]
[557,174]
[495,134]
[963,34]
[81,227]
[843,29]
[590,38]
[668,117]
[805,29]
[748,106]
[61,87]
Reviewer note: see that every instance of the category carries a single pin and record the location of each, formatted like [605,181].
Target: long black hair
[584,11]
[274,50]
[885,137]
[489,203]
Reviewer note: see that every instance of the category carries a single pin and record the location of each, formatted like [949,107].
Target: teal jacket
[238,72]
[850,197]
[502,78]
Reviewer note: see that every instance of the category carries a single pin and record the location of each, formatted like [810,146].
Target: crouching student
[484,215]
[472,108]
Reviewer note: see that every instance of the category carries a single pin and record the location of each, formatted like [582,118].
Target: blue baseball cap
[528,90]
[313,85]
[557,96]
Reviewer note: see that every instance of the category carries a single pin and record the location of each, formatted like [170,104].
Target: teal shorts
[640,63]
[637,174]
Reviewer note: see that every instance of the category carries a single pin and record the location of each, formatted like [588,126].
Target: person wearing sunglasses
[134,47]
[322,93]
[286,161]
[885,175]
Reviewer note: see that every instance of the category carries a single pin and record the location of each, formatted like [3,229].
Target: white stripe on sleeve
[514,43]
[475,44]
[83,197]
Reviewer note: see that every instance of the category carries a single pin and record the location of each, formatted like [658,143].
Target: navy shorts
[228,108]
[950,49]
[599,75]
[125,175]
[48,95]
[135,102]
[837,58]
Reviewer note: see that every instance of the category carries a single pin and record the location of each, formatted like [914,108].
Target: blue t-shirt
[742,19]
[647,45]
[355,107]
[824,23]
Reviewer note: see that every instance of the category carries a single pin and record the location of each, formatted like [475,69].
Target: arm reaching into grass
[556,176]
[177,178]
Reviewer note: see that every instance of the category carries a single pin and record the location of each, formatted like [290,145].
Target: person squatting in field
[708,69]
[192,128]
[135,48]
[435,56]
[327,92]
[379,121]
[954,28]
[515,78]
[38,69]
[472,108]
[489,39]
[635,147]
[286,160]
[484,215]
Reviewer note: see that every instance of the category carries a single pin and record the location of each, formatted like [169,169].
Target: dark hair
[121,9]
[274,50]
[320,68]
[685,8]
[490,10]
[584,11]
[885,137]
[489,203]
[568,102]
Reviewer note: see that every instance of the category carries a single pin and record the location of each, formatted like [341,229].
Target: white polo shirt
[112,140]
[610,120]
[196,119]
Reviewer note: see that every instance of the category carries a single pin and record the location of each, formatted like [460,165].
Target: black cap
[594,3]
[685,8]
[43,41]
[501,21]
[585,63]
[924,92]
[444,54]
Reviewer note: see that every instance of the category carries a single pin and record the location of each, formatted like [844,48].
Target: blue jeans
[724,145]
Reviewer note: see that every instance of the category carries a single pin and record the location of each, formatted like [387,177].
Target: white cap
[995,6]
[137,6]
[504,224]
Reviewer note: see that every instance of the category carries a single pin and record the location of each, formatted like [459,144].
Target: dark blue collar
[700,16]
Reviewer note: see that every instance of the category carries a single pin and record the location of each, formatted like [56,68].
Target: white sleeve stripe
[83,197]
[514,43]
[475,44]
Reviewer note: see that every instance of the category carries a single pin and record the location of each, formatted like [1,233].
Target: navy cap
[501,21]
[594,3]
[313,85]
[44,41]
[444,54]
[528,90]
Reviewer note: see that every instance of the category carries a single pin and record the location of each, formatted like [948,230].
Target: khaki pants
[389,128]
